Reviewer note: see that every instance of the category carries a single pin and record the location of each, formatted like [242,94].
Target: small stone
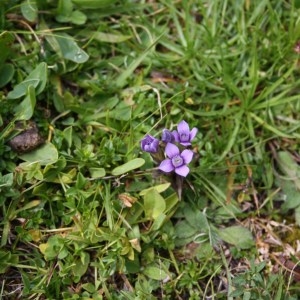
[27,140]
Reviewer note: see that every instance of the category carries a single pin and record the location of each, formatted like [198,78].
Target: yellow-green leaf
[129,166]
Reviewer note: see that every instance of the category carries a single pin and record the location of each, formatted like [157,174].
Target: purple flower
[183,135]
[167,136]
[176,161]
[149,144]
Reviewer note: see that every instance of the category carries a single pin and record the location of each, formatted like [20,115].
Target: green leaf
[78,18]
[184,230]
[129,166]
[159,188]
[196,218]
[37,78]
[68,131]
[291,193]
[25,109]
[270,127]
[6,74]
[121,112]
[81,265]
[54,248]
[155,272]
[158,222]
[6,180]
[64,8]
[97,172]
[93,4]
[289,167]
[171,201]
[46,154]
[89,287]
[7,259]
[108,37]
[29,10]
[70,50]
[238,236]
[154,204]
[29,205]
[65,13]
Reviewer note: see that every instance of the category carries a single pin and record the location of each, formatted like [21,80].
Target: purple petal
[175,135]
[193,133]
[182,171]
[149,144]
[167,136]
[183,127]
[187,156]
[171,150]
[166,166]
[153,147]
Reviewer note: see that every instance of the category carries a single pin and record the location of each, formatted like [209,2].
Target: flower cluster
[173,159]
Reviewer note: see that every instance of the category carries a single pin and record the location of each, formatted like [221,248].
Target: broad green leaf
[29,10]
[292,195]
[46,154]
[155,272]
[54,248]
[97,172]
[184,230]
[81,265]
[133,266]
[7,259]
[70,50]
[184,233]
[65,13]
[78,18]
[21,89]
[93,4]
[289,167]
[37,78]
[89,287]
[65,178]
[6,180]
[171,201]
[108,37]
[25,109]
[159,188]
[129,166]
[196,218]
[64,8]
[68,131]
[121,112]
[238,236]
[154,204]
[158,222]
[290,182]
[228,211]
[6,74]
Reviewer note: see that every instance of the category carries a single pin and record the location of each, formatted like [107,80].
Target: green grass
[87,215]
